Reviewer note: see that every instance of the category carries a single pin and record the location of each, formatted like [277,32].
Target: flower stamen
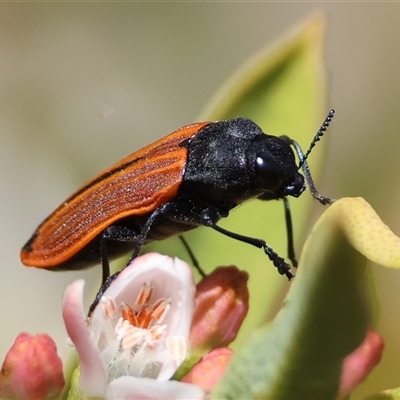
[109,307]
[176,346]
[145,295]
[144,318]
[133,337]
[160,309]
[128,314]
[156,335]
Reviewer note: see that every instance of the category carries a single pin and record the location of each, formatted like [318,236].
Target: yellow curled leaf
[365,230]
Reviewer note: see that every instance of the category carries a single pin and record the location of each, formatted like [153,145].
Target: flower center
[133,341]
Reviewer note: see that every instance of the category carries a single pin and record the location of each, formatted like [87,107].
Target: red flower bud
[32,369]
[357,365]
[221,304]
[209,370]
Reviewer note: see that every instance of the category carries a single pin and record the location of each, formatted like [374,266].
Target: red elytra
[135,185]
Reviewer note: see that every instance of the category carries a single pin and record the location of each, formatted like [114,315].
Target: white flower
[138,335]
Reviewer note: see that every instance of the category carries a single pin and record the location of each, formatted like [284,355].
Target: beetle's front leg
[210,217]
[120,234]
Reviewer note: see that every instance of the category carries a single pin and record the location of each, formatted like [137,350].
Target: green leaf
[325,315]
[74,392]
[283,90]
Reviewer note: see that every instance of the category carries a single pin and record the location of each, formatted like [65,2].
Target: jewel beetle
[193,177]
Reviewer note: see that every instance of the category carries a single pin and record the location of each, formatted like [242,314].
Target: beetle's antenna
[318,136]
[303,159]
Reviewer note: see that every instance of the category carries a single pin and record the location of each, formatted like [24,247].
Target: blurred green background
[83,84]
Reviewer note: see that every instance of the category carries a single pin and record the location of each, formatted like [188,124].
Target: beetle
[192,177]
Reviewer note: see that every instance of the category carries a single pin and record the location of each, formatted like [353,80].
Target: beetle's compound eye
[268,174]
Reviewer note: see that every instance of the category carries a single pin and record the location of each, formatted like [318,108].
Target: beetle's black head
[274,167]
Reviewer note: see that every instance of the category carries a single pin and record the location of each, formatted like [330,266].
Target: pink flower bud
[32,369]
[357,365]
[209,370]
[221,304]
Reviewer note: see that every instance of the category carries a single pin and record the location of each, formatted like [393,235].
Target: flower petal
[171,279]
[93,376]
[131,388]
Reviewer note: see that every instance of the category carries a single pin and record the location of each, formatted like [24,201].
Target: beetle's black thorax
[217,167]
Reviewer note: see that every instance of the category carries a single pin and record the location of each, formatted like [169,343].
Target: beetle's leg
[122,233]
[117,233]
[195,261]
[210,218]
[310,183]
[101,291]
[289,232]
[306,171]
[289,225]
[141,238]
[105,264]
